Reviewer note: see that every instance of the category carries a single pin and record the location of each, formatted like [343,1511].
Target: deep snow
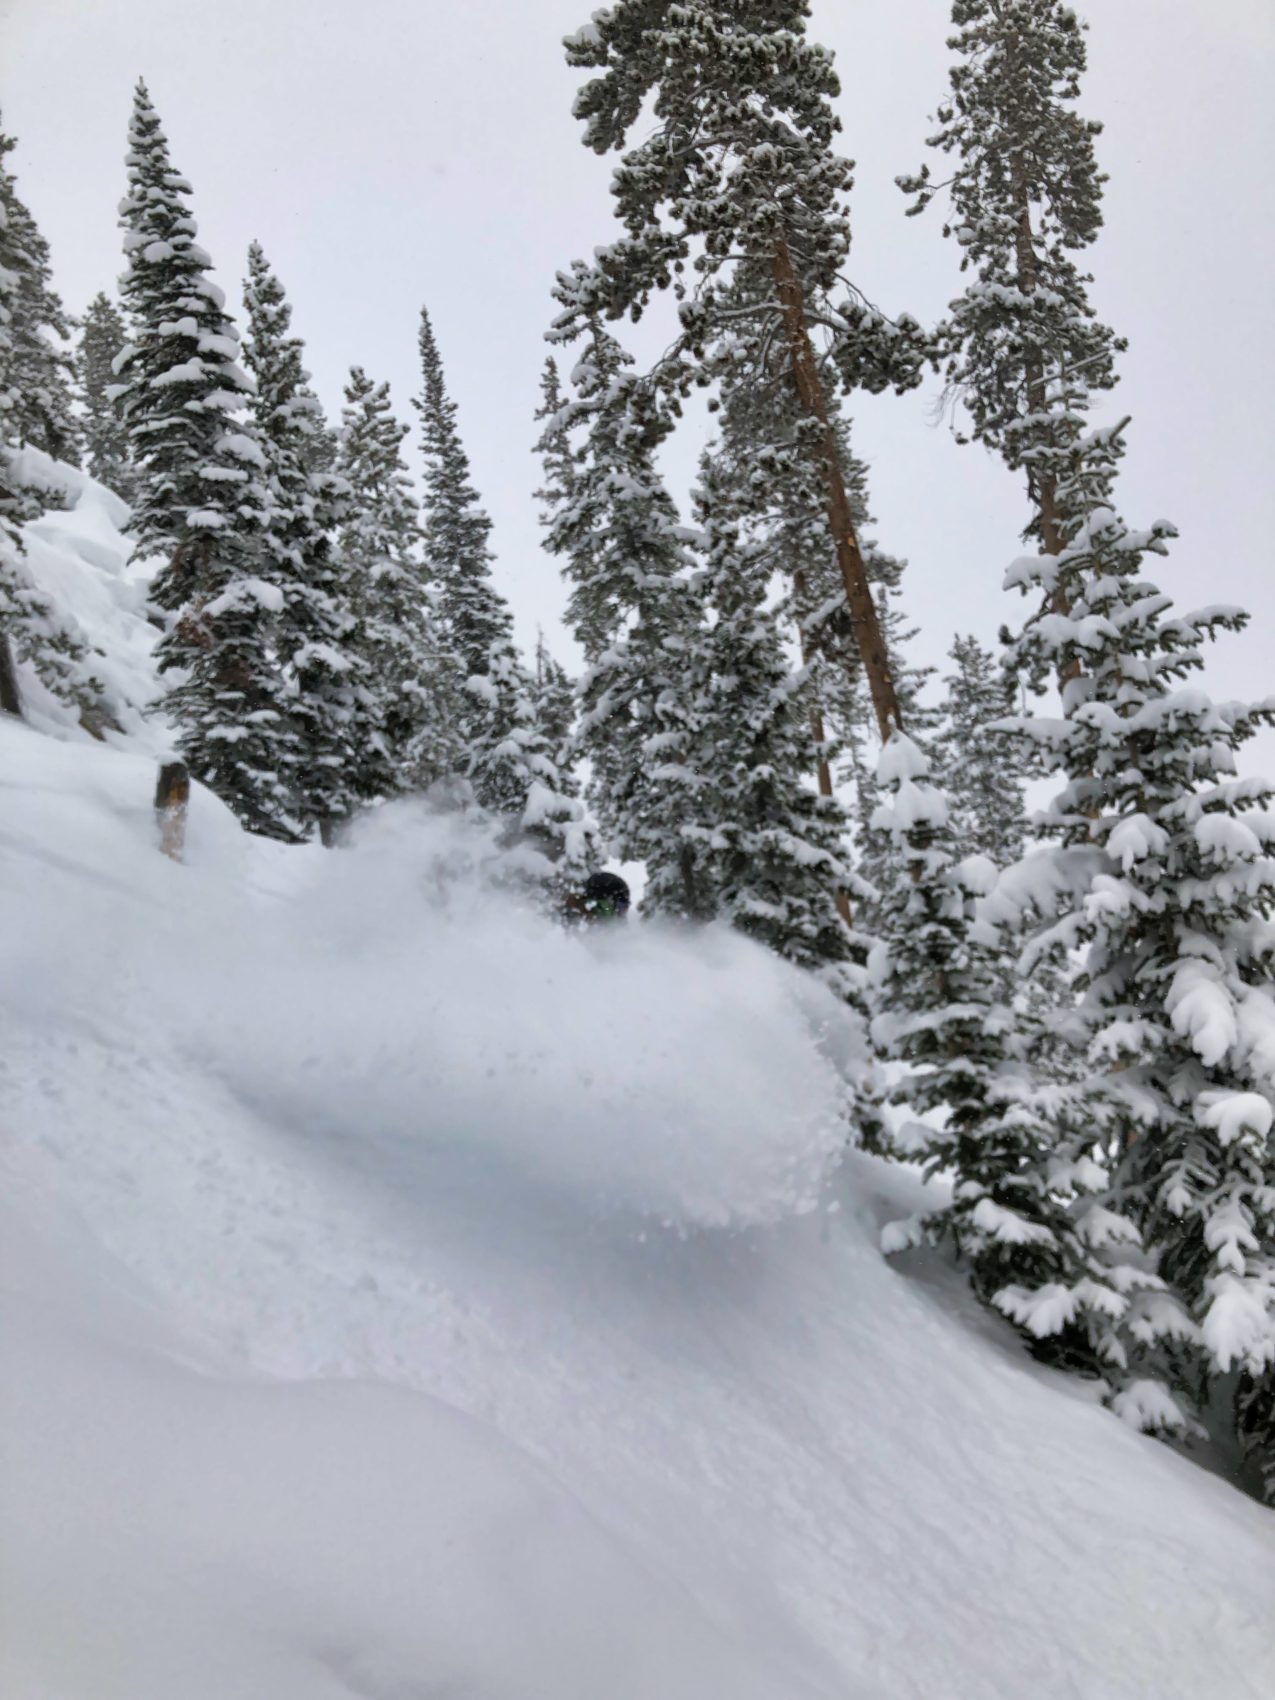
[405,1299]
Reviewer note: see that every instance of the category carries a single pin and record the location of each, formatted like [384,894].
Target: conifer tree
[404,734]
[554,710]
[635,613]
[977,764]
[316,620]
[39,411]
[738,185]
[1165,880]
[203,503]
[457,529]
[29,628]
[777,491]
[497,716]
[1039,1246]
[775,848]
[106,446]
[1024,348]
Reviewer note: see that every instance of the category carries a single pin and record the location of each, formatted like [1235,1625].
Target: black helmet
[606,895]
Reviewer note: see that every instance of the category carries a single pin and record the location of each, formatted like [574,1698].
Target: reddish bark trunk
[863,614]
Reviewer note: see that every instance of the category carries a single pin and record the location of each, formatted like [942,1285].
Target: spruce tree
[735,200]
[315,624]
[203,504]
[636,615]
[404,735]
[1040,1247]
[497,718]
[1024,348]
[1165,881]
[775,848]
[106,447]
[40,411]
[976,762]
[554,708]
[456,529]
[29,628]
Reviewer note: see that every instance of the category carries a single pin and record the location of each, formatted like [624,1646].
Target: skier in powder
[603,897]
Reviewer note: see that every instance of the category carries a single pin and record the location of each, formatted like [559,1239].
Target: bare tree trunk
[172,794]
[809,385]
[10,700]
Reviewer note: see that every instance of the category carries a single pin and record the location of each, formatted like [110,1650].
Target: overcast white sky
[390,152]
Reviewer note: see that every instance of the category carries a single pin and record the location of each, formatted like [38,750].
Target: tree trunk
[172,794]
[10,700]
[809,386]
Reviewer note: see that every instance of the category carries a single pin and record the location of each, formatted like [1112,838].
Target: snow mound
[79,561]
[421,1554]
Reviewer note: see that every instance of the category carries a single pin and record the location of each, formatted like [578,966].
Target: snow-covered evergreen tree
[457,530]
[202,500]
[1024,348]
[106,447]
[1039,1247]
[507,762]
[404,734]
[776,848]
[976,765]
[635,613]
[1164,880]
[29,628]
[553,702]
[735,199]
[40,409]
[316,621]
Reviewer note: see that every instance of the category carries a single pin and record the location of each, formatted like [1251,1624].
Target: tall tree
[457,529]
[635,613]
[737,183]
[321,666]
[554,708]
[106,446]
[496,712]
[977,764]
[775,847]
[203,504]
[1163,877]
[1024,348]
[40,411]
[404,734]
[30,630]
[1040,1247]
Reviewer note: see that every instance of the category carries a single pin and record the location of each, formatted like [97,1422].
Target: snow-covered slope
[404,1299]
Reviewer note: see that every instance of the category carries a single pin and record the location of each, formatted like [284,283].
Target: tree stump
[172,794]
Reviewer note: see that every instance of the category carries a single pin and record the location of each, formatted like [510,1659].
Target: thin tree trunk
[809,385]
[10,700]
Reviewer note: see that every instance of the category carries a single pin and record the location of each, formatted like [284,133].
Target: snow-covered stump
[172,794]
